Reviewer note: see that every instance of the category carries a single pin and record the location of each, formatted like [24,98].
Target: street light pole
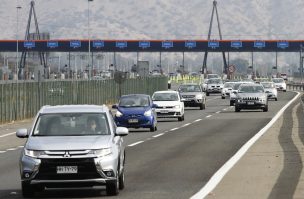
[89,37]
[17,39]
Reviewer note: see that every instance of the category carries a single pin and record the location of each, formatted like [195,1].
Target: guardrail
[21,100]
[295,86]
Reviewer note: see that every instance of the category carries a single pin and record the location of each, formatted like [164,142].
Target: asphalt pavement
[174,162]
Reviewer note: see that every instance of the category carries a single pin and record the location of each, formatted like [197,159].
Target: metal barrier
[22,100]
[295,86]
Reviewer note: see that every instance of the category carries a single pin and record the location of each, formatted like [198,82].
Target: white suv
[279,84]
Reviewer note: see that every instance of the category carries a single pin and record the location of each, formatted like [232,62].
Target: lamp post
[89,37]
[17,39]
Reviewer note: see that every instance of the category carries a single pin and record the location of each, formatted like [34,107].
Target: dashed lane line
[11,149]
[218,112]
[5,135]
[155,136]
[174,129]
[186,124]
[208,116]
[197,120]
[136,143]
[2,151]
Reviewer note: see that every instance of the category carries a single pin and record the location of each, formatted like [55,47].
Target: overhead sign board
[167,44]
[144,44]
[52,44]
[213,44]
[75,44]
[98,44]
[29,44]
[236,44]
[259,44]
[190,44]
[282,44]
[121,44]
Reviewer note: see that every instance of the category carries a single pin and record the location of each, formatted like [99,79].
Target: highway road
[174,162]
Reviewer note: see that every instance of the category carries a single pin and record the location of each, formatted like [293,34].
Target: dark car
[136,111]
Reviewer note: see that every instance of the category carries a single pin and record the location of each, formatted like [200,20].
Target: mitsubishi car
[169,105]
[192,95]
[72,146]
[251,96]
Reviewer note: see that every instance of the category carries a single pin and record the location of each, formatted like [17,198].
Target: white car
[271,90]
[279,84]
[214,85]
[234,90]
[227,89]
[169,105]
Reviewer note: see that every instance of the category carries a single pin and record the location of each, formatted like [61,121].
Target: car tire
[265,109]
[28,190]
[223,97]
[207,94]
[153,128]
[231,103]
[122,180]
[284,90]
[112,187]
[276,99]
[237,109]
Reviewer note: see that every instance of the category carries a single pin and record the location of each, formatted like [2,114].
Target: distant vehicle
[234,90]
[192,95]
[279,84]
[72,146]
[204,85]
[271,90]
[136,111]
[227,89]
[210,76]
[251,96]
[284,76]
[214,85]
[169,105]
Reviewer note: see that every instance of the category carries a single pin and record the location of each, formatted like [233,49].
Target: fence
[22,100]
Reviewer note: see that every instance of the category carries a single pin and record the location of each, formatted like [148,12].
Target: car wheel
[231,103]
[112,187]
[223,97]
[153,128]
[207,94]
[28,190]
[265,109]
[276,99]
[122,180]
[237,109]
[284,90]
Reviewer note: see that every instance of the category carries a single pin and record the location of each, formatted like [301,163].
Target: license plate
[164,111]
[250,103]
[67,169]
[133,120]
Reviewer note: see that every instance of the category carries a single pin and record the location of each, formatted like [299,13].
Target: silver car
[271,90]
[72,146]
[192,95]
[251,96]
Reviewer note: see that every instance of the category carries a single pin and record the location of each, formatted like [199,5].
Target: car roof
[167,91]
[143,95]
[74,109]
[189,84]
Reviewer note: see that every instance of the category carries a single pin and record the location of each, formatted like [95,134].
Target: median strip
[136,143]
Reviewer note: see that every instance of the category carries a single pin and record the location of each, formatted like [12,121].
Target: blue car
[136,111]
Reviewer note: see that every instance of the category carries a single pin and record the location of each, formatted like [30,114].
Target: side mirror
[122,131]
[154,106]
[114,106]
[22,133]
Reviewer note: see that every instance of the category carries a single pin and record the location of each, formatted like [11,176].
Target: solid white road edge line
[155,136]
[218,176]
[5,135]
[136,143]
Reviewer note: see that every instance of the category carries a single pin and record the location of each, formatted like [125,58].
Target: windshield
[134,101]
[251,89]
[212,76]
[228,85]
[268,85]
[278,80]
[71,124]
[236,86]
[214,81]
[189,88]
[165,97]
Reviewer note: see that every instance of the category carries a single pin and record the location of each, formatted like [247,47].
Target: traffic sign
[121,44]
[282,44]
[190,44]
[52,44]
[213,44]
[236,44]
[98,44]
[144,44]
[75,44]
[167,44]
[231,68]
[29,44]
[259,44]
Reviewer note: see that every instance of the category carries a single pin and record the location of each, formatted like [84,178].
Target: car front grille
[250,98]
[85,166]
[163,107]
[188,96]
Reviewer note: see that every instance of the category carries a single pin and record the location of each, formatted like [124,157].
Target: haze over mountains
[158,19]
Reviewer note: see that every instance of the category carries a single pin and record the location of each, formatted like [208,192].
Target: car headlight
[102,152]
[240,100]
[199,96]
[262,99]
[148,113]
[177,106]
[33,153]
[118,114]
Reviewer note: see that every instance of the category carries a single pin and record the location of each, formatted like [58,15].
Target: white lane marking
[174,129]
[155,136]
[166,131]
[213,98]
[2,151]
[13,193]
[186,124]
[5,135]
[208,116]
[197,120]
[224,109]
[136,143]
[11,149]
[218,112]
[218,176]
[20,146]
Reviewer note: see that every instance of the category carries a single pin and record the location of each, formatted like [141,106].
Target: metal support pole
[160,62]
[115,67]
[301,63]
[183,61]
